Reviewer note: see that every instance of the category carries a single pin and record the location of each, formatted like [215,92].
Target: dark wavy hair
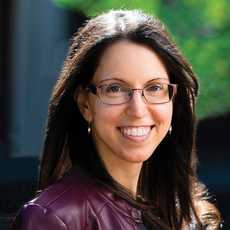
[168,182]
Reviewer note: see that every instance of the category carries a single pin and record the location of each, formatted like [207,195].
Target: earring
[170,129]
[89,128]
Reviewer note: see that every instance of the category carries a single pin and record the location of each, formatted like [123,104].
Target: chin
[136,157]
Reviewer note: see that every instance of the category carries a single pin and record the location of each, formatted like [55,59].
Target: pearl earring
[170,129]
[89,128]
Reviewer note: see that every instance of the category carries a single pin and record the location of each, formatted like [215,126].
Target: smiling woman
[126,127]
[119,150]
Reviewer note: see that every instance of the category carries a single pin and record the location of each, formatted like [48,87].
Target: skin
[123,156]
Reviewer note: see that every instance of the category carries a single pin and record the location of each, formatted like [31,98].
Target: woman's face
[128,132]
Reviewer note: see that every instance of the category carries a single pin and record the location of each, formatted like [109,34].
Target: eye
[113,88]
[154,87]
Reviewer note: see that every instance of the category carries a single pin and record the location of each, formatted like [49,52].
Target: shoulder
[36,217]
[75,188]
[207,213]
[76,191]
[68,202]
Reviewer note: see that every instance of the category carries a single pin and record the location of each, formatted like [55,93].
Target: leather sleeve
[35,217]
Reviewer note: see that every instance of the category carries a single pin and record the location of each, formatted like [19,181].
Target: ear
[81,97]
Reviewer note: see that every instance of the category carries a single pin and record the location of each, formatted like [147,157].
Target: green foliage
[200,28]
[94,7]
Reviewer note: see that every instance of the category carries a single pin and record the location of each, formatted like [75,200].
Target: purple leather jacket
[77,202]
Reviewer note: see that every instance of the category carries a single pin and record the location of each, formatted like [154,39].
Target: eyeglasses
[114,92]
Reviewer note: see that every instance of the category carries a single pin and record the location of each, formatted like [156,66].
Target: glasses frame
[95,89]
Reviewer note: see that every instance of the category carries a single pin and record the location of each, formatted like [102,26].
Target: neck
[125,173]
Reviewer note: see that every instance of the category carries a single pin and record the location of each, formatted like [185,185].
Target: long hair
[168,181]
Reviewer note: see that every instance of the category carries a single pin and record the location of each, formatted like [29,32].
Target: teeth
[136,132]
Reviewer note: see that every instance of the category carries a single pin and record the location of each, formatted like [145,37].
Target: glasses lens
[114,93]
[158,93]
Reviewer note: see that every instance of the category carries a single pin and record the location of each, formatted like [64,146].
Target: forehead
[130,62]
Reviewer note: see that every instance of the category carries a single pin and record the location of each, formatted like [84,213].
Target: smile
[136,133]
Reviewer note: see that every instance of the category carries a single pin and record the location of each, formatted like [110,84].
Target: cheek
[163,114]
[104,127]
[105,116]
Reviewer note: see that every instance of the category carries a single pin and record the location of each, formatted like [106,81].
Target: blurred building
[34,39]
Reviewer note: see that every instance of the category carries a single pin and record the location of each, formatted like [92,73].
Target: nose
[137,106]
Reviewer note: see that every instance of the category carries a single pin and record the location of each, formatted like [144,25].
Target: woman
[119,150]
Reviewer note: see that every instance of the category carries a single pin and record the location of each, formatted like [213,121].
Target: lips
[138,134]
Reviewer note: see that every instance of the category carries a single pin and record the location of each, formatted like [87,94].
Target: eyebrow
[118,79]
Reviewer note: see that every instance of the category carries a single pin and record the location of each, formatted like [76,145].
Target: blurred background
[34,36]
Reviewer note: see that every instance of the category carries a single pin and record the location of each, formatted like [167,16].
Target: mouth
[136,133]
